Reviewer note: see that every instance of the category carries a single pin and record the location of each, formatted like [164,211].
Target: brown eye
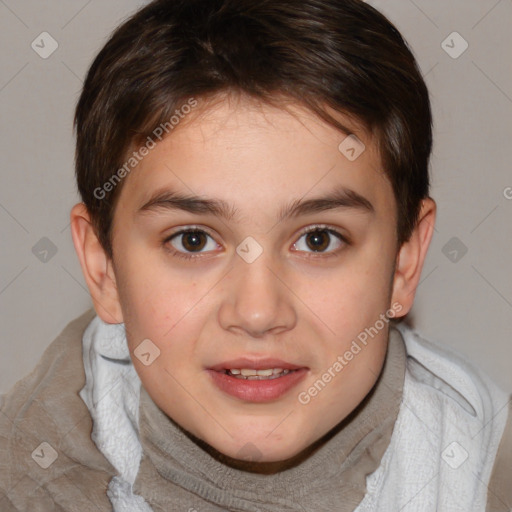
[320,240]
[191,240]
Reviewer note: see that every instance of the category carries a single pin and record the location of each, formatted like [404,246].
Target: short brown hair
[341,54]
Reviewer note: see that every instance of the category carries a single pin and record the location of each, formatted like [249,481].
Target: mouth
[250,374]
[261,380]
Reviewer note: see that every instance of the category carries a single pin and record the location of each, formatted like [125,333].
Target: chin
[262,448]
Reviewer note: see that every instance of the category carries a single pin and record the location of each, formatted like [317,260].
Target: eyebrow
[341,197]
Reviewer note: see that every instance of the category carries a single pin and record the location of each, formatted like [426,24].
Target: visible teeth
[251,374]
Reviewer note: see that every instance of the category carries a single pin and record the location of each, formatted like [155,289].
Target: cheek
[372,275]
[350,297]
[348,304]
[153,296]
[167,312]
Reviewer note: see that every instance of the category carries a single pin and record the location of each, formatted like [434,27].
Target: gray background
[464,300]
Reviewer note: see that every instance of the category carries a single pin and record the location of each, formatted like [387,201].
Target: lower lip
[257,390]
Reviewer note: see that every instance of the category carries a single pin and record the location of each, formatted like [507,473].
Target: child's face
[288,303]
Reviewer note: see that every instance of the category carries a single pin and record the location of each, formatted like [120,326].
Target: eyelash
[310,229]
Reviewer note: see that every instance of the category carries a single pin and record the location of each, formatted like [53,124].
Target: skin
[292,302]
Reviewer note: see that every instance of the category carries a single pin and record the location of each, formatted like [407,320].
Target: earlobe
[96,266]
[411,257]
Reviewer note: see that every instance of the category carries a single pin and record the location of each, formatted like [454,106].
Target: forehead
[256,155]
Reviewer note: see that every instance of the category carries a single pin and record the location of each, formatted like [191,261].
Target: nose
[257,300]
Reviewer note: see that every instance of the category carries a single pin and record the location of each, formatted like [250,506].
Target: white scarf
[441,452]
[111,393]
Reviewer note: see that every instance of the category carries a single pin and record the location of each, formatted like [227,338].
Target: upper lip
[255,364]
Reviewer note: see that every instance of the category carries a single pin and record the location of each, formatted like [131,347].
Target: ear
[96,266]
[411,257]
